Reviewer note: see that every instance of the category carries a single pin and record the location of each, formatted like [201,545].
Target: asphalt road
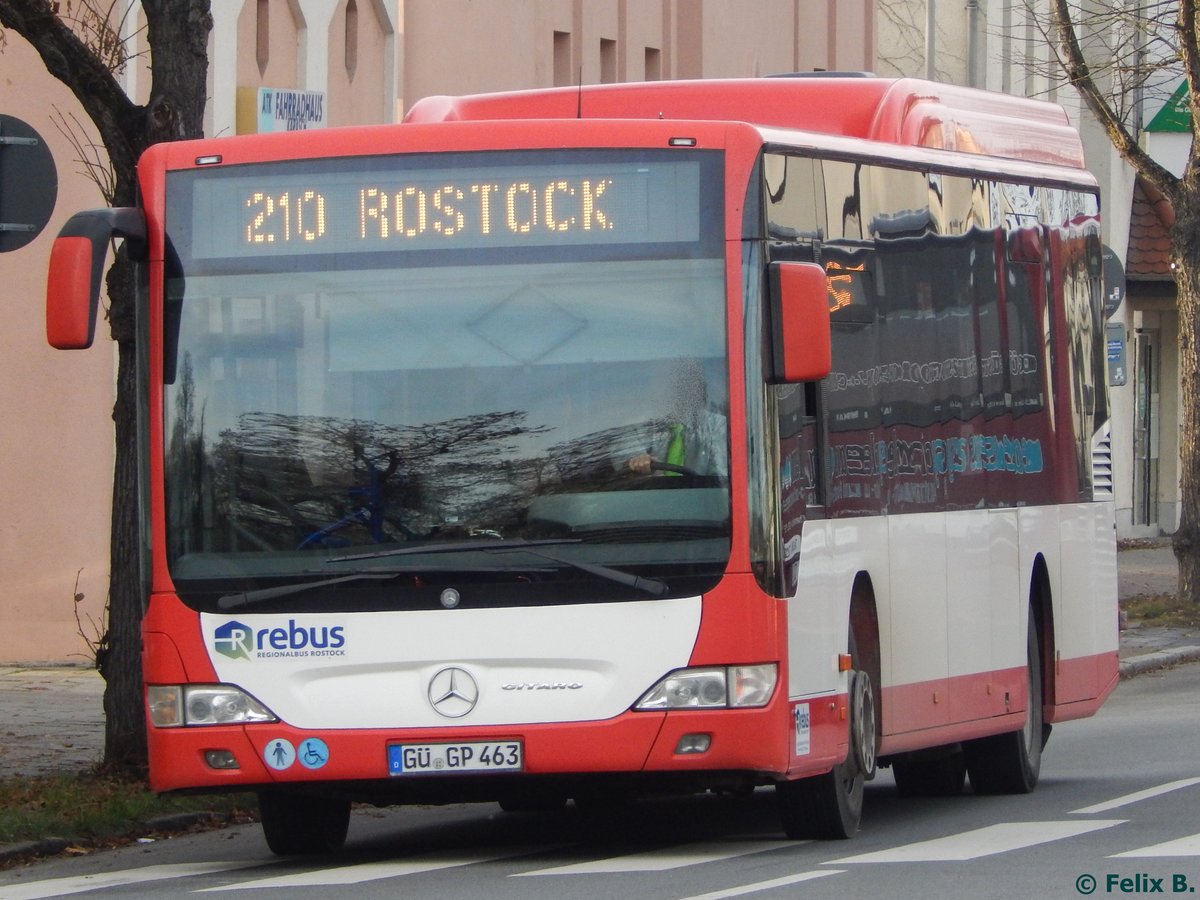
[1115,815]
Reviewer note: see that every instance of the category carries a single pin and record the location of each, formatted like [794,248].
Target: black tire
[930,776]
[824,807]
[1011,763]
[829,806]
[302,824]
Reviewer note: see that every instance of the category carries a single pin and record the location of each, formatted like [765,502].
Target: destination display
[310,208]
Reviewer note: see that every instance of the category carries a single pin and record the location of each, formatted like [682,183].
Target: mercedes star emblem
[453,692]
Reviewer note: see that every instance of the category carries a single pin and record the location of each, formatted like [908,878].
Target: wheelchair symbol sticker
[312,753]
[279,754]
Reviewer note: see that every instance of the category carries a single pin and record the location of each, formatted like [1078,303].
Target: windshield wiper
[265,595]
[485,544]
[262,595]
[652,586]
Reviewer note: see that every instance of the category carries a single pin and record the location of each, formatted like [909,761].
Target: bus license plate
[443,759]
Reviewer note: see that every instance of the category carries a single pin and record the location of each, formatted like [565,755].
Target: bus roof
[904,111]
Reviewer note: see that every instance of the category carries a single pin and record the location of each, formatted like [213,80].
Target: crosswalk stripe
[358,873]
[1127,799]
[1184,846]
[745,889]
[981,842]
[77,884]
[987,841]
[664,859]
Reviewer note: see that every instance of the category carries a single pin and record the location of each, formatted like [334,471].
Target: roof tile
[1150,218]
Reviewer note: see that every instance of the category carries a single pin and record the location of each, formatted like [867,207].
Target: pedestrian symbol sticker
[312,753]
[280,754]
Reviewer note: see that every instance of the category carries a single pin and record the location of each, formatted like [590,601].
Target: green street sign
[1176,115]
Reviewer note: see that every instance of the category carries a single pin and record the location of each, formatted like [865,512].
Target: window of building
[562,59]
[653,64]
[608,61]
[351,38]
[262,36]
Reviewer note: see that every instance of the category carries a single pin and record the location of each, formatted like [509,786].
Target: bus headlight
[175,706]
[726,687]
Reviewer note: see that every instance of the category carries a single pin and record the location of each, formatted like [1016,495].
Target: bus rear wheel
[1012,763]
[303,824]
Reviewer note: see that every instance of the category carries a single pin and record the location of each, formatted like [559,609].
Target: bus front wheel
[303,824]
[829,806]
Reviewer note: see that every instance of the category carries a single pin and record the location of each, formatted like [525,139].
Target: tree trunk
[1187,279]
[177,32]
[121,662]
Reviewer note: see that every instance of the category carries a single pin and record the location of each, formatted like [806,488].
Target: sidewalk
[52,719]
[1147,568]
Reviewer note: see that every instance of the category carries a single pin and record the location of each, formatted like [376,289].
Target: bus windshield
[346,383]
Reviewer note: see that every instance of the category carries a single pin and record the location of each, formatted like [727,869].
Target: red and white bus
[579,444]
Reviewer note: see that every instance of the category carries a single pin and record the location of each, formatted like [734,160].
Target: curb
[181,821]
[1161,659]
[25,849]
[52,846]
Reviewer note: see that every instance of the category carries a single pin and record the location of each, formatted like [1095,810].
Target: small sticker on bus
[279,754]
[803,729]
[313,753]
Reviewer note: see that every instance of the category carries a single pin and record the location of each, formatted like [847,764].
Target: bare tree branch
[89,155]
[1079,72]
[74,63]
[93,24]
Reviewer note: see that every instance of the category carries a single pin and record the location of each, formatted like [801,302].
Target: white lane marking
[765,885]
[987,841]
[77,884]
[358,873]
[1135,797]
[1184,846]
[665,858]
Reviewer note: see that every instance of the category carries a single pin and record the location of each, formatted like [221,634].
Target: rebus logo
[233,639]
[238,641]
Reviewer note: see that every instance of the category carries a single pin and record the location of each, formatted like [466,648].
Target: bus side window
[796,408]
[795,198]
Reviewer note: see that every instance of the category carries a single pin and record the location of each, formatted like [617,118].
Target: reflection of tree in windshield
[279,481]
[310,472]
[275,481]
[189,475]
[594,460]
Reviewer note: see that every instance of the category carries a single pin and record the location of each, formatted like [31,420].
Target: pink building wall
[56,454]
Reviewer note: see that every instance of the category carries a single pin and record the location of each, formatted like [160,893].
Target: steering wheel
[656,466]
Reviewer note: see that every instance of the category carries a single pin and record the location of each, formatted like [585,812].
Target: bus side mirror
[800,346]
[76,268]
